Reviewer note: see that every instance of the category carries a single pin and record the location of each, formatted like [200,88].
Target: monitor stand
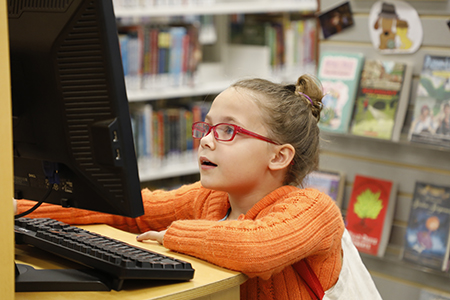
[29,279]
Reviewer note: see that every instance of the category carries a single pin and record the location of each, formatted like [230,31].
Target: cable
[35,206]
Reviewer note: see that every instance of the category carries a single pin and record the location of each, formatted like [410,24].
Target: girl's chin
[209,184]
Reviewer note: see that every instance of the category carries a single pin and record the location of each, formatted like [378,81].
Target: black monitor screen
[71,122]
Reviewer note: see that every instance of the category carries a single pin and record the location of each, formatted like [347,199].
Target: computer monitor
[71,122]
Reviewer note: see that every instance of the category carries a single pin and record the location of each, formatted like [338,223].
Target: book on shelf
[427,233]
[329,182]
[164,135]
[151,56]
[431,118]
[199,111]
[291,43]
[370,213]
[382,99]
[300,53]
[131,38]
[164,47]
[157,56]
[339,73]
[141,116]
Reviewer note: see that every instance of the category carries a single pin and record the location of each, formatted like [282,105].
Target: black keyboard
[112,258]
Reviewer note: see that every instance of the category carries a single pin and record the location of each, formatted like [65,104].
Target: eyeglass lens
[223,132]
[199,130]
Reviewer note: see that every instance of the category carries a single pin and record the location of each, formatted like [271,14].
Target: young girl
[258,142]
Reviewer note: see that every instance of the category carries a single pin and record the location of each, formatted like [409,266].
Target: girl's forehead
[237,104]
[237,96]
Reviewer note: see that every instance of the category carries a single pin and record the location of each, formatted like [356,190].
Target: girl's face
[235,166]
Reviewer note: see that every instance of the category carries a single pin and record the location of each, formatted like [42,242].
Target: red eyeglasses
[224,132]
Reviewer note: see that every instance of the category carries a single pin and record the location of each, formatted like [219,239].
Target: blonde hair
[291,113]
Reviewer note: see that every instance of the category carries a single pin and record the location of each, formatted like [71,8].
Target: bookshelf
[169,170]
[211,88]
[222,62]
[217,7]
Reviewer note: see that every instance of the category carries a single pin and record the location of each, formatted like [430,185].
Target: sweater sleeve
[302,225]
[161,208]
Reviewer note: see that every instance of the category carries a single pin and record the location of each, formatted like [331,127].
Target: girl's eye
[225,131]
[229,130]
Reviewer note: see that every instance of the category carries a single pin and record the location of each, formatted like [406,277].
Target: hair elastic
[307,97]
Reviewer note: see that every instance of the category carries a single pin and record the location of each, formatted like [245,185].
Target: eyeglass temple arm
[244,131]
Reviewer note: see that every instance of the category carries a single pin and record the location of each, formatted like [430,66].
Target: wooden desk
[209,282]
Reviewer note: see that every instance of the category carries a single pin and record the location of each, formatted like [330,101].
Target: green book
[382,100]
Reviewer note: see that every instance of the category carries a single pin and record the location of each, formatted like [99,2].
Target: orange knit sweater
[287,225]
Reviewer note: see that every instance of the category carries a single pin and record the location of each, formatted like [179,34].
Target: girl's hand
[152,235]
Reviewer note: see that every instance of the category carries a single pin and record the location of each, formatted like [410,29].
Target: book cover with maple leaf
[370,213]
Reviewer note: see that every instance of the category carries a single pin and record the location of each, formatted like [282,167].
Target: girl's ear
[283,156]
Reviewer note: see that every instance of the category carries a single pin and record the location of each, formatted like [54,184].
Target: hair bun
[310,88]
[306,96]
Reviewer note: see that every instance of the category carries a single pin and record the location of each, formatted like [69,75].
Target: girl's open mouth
[206,162]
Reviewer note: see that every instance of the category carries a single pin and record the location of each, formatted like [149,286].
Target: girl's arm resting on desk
[161,209]
[74,216]
[267,245]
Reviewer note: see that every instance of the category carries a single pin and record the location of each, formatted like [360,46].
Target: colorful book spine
[291,42]
[176,55]
[165,135]
[123,44]
[164,43]
[150,57]
[132,56]
[159,56]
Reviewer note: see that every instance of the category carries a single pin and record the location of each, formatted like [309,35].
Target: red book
[370,213]
[154,57]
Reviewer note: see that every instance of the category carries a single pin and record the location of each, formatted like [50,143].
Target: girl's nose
[208,140]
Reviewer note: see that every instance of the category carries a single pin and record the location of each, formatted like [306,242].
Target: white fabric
[355,282]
